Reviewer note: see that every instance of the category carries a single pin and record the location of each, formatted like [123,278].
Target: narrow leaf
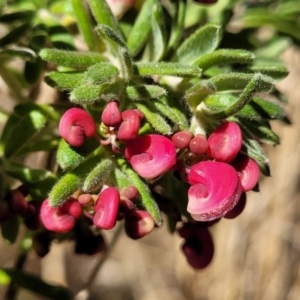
[167,68]
[64,80]
[144,92]
[18,16]
[33,70]
[10,230]
[71,58]
[277,72]
[155,119]
[223,57]
[203,41]
[141,29]
[21,52]
[97,177]
[71,182]
[87,93]
[147,200]
[36,285]
[100,72]
[14,35]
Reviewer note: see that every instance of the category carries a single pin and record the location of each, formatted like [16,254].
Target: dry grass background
[257,255]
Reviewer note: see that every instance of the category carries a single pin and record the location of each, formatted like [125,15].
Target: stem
[87,286]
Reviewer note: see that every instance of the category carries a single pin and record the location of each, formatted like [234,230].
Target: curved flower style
[225,142]
[106,208]
[130,126]
[248,171]
[111,116]
[61,218]
[198,246]
[151,155]
[75,126]
[215,190]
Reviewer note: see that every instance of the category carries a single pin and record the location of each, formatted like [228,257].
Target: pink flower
[138,223]
[106,208]
[225,142]
[129,128]
[111,116]
[61,218]
[75,126]
[215,190]
[151,155]
[248,171]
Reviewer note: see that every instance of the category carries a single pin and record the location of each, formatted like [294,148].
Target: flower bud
[111,116]
[61,218]
[130,192]
[75,126]
[225,142]
[106,208]
[138,223]
[199,145]
[130,126]
[17,202]
[85,199]
[248,171]
[215,190]
[181,139]
[151,155]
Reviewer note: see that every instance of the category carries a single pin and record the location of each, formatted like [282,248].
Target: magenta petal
[111,115]
[225,142]
[215,190]
[75,126]
[248,171]
[130,126]
[106,208]
[151,155]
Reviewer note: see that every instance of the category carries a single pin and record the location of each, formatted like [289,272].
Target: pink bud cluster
[217,172]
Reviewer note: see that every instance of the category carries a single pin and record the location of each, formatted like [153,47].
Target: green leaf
[84,23]
[33,70]
[203,41]
[69,157]
[64,80]
[103,15]
[21,52]
[36,285]
[155,119]
[71,59]
[270,109]
[167,68]
[120,179]
[25,174]
[10,230]
[144,92]
[25,122]
[14,35]
[17,16]
[118,45]
[239,81]
[141,29]
[71,182]
[198,92]
[255,85]
[40,145]
[100,72]
[97,177]
[87,93]
[159,35]
[223,57]
[146,198]
[275,72]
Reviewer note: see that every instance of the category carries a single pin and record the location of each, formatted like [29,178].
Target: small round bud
[199,145]
[17,202]
[130,192]
[181,139]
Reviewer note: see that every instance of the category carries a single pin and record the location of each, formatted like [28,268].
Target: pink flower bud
[106,208]
[238,208]
[215,190]
[130,192]
[138,223]
[248,171]
[111,116]
[199,145]
[119,7]
[225,142]
[85,199]
[181,139]
[17,202]
[130,126]
[75,126]
[151,155]
[61,218]
[198,246]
